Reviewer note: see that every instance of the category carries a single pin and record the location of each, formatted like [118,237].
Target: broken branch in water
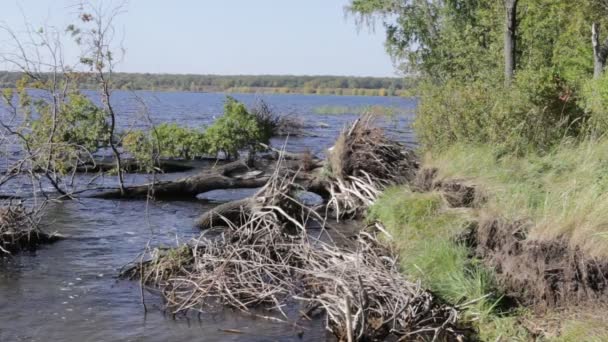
[265,256]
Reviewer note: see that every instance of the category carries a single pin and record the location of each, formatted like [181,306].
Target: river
[69,291]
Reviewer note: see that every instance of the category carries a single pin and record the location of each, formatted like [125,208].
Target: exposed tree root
[18,231]
[363,162]
[541,274]
[538,274]
[266,257]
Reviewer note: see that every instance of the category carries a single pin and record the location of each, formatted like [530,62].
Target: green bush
[80,128]
[595,101]
[535,113]
[141,147]
[164,141]
[237,129]
[182,142]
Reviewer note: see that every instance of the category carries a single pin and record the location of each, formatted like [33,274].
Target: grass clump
[564,192]
[426,233]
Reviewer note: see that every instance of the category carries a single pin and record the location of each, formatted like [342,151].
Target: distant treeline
[338,85]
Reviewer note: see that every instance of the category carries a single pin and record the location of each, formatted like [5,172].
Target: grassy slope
[564,192]
[424,232]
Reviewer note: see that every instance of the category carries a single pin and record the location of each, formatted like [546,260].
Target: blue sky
[311,37]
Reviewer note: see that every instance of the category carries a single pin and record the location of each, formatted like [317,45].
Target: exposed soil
[456,193]
[540,274]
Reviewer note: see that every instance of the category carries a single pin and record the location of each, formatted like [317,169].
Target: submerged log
[307,171]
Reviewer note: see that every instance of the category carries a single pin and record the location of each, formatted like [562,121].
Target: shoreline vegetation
[508,211]
[494,229]
[265,84]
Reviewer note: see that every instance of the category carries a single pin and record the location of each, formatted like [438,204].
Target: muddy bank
[542,274]
[536,274]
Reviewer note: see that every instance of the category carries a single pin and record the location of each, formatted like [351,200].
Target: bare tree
[96,40]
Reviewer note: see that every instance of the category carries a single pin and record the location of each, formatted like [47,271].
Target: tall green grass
[425,233]
[564,192]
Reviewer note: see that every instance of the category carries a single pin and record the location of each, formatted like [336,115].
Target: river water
[69,291]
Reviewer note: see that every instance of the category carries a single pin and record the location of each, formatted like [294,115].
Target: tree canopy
[459,50]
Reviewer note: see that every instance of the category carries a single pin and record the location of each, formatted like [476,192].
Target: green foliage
[176,141]
[77,129]
[141,147]
[595,100]
[167,140]
[456,47]
[535,113]
[337,85]
[235,130]
[440,38]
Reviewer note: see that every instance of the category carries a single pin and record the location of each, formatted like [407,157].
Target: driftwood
[234,175]
[230,176]
[19,230]
[230,211]
[266,257]
[361,164]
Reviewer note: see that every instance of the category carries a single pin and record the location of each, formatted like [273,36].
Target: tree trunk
[599,54]
[510,35]
[223,177]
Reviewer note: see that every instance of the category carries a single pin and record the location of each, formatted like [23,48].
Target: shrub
[237,129]
[141,147]
[595,101]
[80,128]
[182,142]
[535,113]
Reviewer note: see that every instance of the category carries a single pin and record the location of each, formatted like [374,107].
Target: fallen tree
[362,162]
[229,176]
[266,257]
